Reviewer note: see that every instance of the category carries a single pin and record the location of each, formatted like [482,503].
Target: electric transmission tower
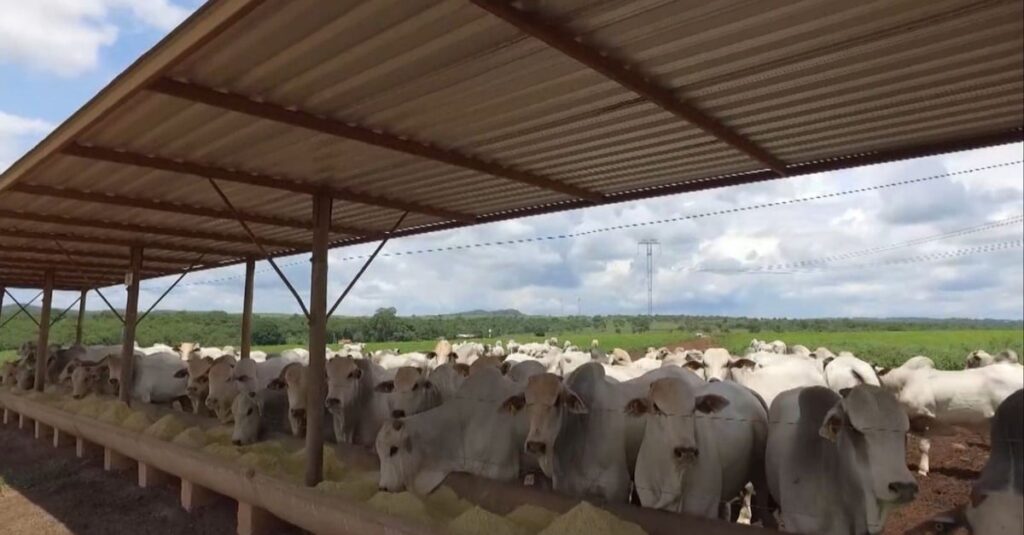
[650,243]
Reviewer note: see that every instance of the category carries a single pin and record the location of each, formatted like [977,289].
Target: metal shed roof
[464,112]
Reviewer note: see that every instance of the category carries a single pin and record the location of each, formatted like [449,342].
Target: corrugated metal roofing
[469,112]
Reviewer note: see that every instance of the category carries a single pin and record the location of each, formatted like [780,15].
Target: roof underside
[468,112]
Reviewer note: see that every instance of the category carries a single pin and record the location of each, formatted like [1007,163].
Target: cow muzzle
[905,491]
[536,448]
[298,414]
[398,414]
[685,453]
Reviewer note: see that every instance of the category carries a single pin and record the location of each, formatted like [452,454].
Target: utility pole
[650,243]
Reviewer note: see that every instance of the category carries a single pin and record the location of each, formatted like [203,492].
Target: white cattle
[468,352]
[522,371]
[703,442]
[997,498]
[155,378]
[848,371]
[712,364]
[836,465]
[578,431]
[257,414]
[412,392]
[980,359]
[357,411]
[568,362]
[393,361]
[294,380]
[619,357]
[227,377]
[778,346]
[937,399]
[822,354]
[466,434]
[653,359]
[799,350]
[770,377]
[155,348]
[894,379]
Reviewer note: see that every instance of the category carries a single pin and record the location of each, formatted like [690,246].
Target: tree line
[386,325]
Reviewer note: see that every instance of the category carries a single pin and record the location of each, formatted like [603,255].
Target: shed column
[42,354]
[81,317]
[250,274]
[131,313]
[317,341]
[3,293]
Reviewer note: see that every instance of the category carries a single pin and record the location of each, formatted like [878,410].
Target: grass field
[885,348]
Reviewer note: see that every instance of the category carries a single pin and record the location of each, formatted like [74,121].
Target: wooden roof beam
[301,119]
[85,265]
[150,258]
[254,179]
[174,208]
[104,240]
[143,229]
[629,76]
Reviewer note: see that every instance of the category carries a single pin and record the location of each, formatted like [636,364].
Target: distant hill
[507,312]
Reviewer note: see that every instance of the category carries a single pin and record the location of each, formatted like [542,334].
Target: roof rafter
[629,76]
[174,208]
[150,258]
[84,265]
[274,112]
[104,240]
[253,179]
[132,227]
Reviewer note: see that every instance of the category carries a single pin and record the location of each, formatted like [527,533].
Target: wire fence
[639,224]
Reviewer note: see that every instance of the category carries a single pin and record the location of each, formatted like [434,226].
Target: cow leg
[925,444]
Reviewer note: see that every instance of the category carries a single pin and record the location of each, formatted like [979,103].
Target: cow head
[402,465]
[345,383]
[9,373]
[409,393]
[670,407]
[247,412]
[198,386]
[222,388]
[292,380]
[868,428]
[86,379]
[546,402]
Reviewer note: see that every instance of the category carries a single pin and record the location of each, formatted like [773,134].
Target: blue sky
[56,54]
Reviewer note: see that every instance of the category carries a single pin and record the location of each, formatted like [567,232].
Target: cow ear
[638,407]
[844,391]
[709,403]
[832,424]
[208,359]
[573,402]
[181,374]
[462,369]
[695,365]
[432,355]
[385,387]
[513,404]
[827,361]
[882,370]
[506,367]
[742,363]
[276,384]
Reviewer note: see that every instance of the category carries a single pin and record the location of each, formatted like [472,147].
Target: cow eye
[393,451]
[242,378]
[249,413]
[415,386]
[203,379]
[657,410]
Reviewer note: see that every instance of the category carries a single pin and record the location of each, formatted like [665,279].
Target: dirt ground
[956,461]
[51,492]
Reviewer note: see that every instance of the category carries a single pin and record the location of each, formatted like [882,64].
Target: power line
[785,267]
[572,235]
[945,255]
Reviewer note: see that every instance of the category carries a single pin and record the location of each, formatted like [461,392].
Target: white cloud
[17,134]
[64,37]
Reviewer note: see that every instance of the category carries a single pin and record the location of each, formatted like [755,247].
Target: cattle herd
[809,441]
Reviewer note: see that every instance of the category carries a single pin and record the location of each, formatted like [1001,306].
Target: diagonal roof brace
[253,179]
[628,76]
[43,190]
[274,112]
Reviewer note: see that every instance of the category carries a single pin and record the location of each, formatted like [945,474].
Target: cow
[89,378]
[835,464]
[470,433]
[771,376]
[257,415]
[937,399]
[198,385]
[393,361]
[293,380]
[997,498]
[848,371]
[702,444]
[578,431]
[357,411]
[712,364]
[155,378]
[980,359]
